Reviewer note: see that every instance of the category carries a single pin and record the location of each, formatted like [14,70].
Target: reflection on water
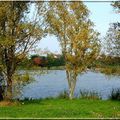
[54,82]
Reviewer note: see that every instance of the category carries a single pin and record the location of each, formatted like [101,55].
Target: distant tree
[39,60]
[113,35]
[55,61]
[18,35]
[34,56]
[69,22]
[113,40]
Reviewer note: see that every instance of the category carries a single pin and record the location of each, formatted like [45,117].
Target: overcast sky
[102,14]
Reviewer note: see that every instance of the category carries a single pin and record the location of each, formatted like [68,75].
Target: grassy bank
[62,108]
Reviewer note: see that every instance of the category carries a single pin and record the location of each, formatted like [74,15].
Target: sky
[101,13]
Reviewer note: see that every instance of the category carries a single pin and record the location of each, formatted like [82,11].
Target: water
[53,83]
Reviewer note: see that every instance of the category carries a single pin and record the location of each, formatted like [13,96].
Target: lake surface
[53,83]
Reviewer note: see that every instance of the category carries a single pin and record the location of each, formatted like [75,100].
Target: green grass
[62,108]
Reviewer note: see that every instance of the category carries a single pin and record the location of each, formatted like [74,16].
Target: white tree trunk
[72,78]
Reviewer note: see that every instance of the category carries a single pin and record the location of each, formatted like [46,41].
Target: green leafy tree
[113,40]
[79,42]
[113,35]
[18,35]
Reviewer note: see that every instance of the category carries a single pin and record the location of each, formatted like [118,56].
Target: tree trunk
[10,65]
[71,93]
[1,93]
[8,94]
[2,84]
[72,78]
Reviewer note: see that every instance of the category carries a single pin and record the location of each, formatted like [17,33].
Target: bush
[89,95]
[63,95]
[115,94]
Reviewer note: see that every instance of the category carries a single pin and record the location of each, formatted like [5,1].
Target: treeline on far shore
[36,61]
[55,60]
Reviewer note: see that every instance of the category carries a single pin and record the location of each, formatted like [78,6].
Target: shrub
[115,94]
[89,95]
[63,95]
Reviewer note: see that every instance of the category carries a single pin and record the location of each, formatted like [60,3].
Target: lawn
[62,108]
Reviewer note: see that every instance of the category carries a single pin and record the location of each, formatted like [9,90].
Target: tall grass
[115,94]
[63,95]
[85,94]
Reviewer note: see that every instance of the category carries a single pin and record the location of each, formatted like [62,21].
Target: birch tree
[79,42]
